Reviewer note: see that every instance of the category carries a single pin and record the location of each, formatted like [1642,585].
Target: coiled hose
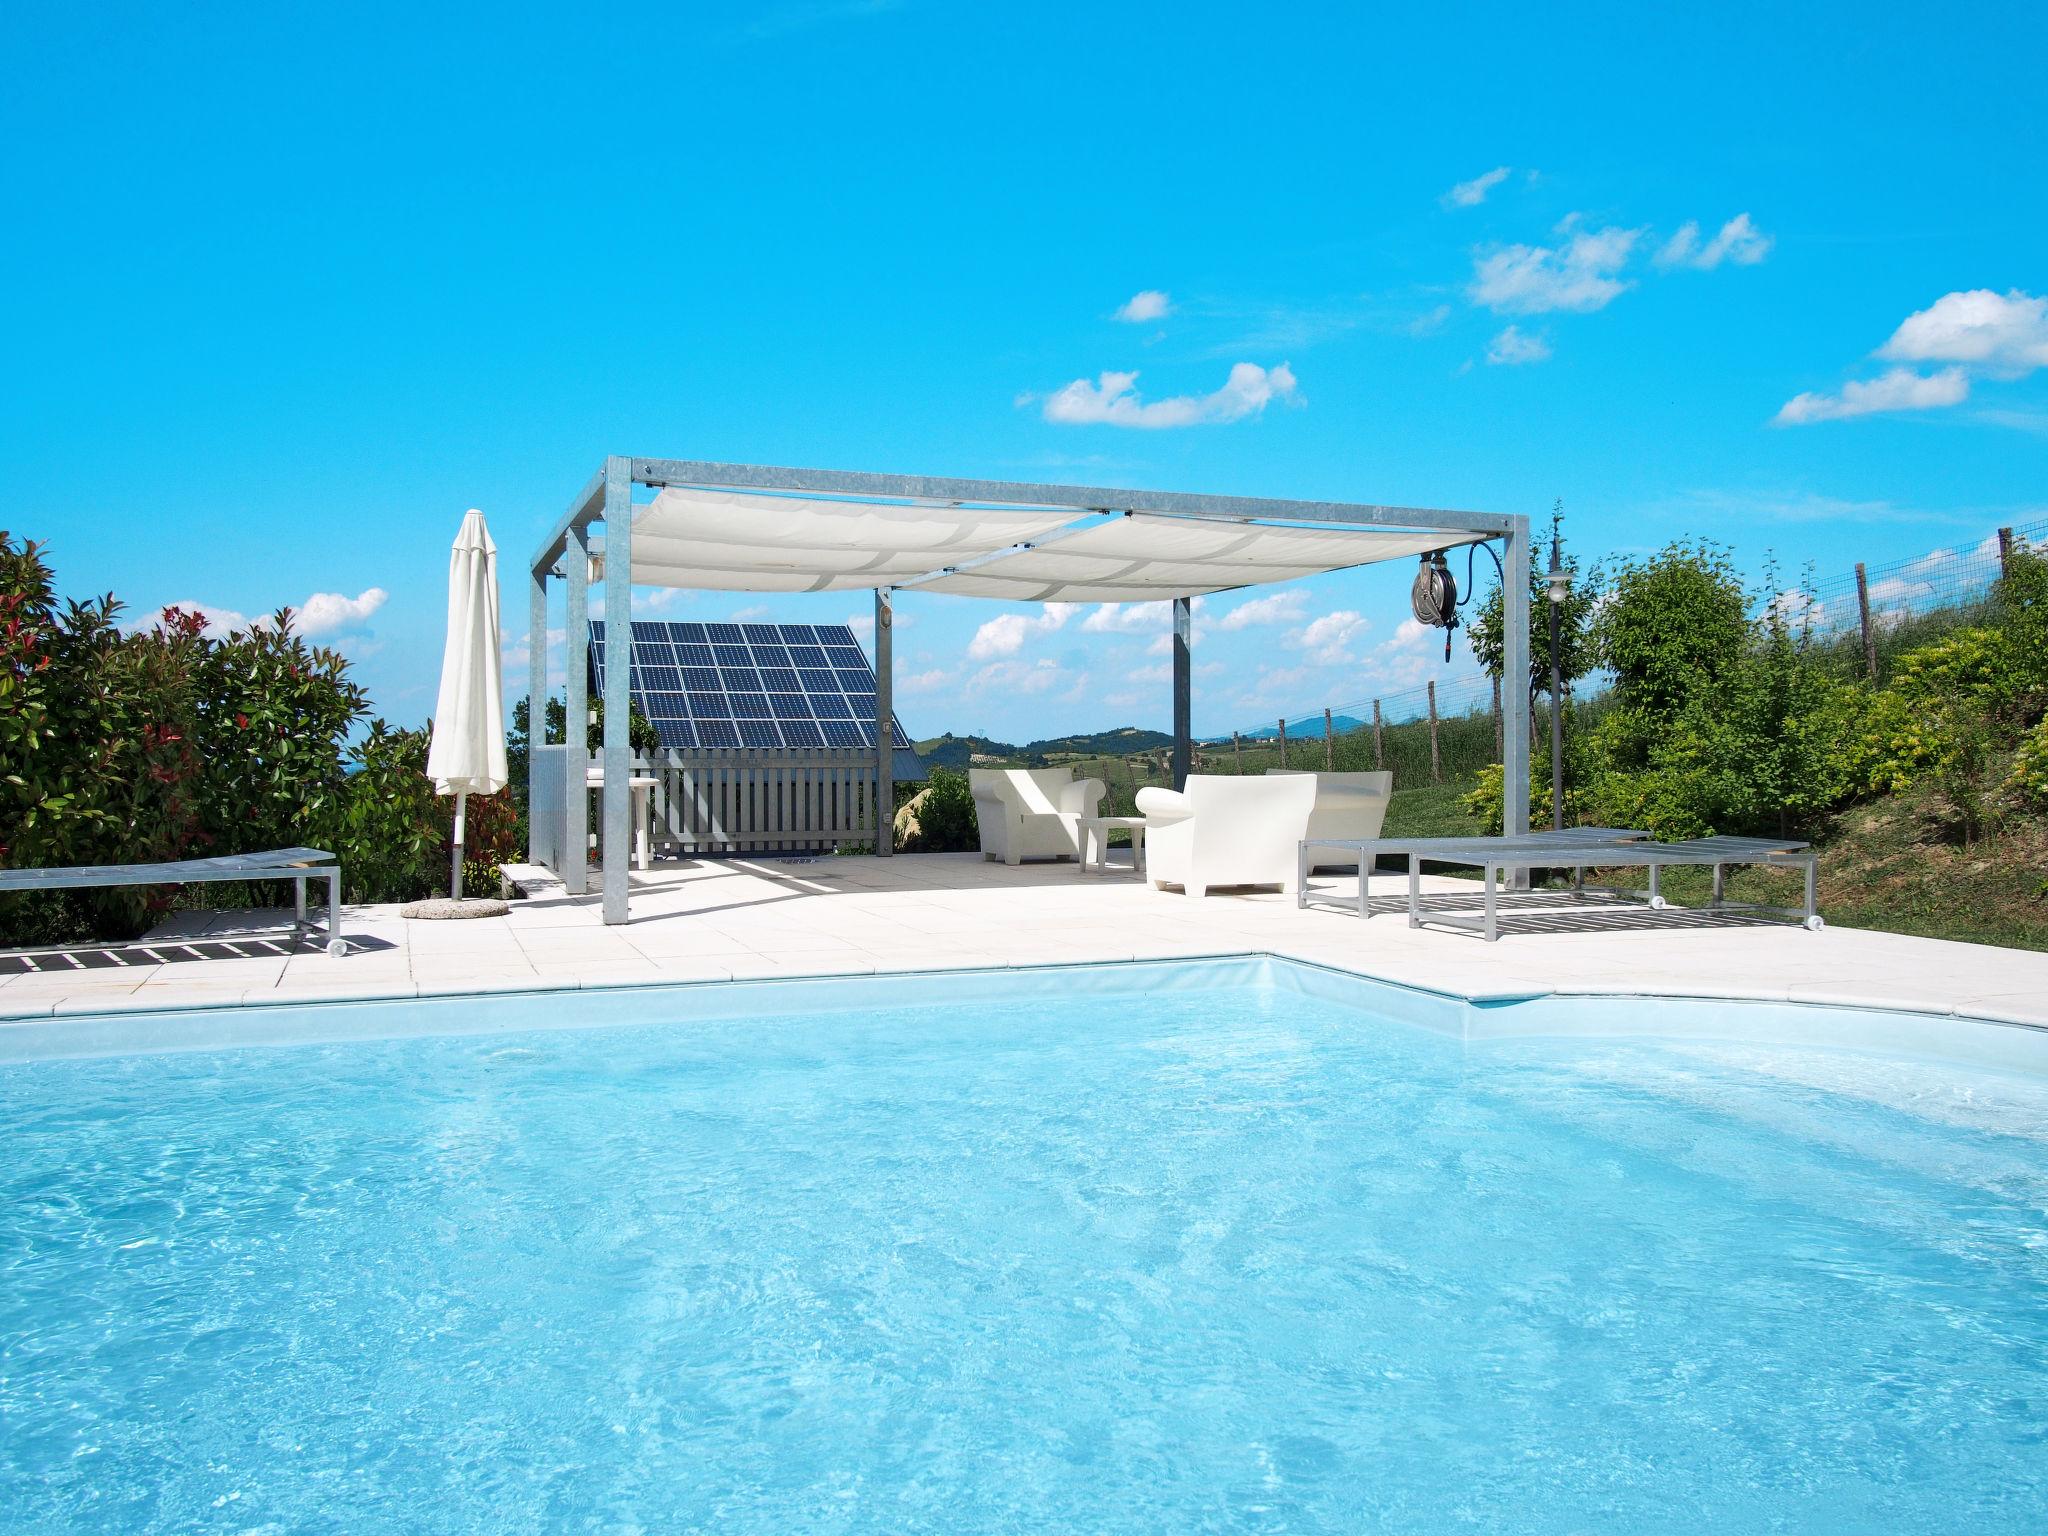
[1435,597]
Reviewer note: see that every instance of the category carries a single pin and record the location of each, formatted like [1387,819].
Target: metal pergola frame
[608,498]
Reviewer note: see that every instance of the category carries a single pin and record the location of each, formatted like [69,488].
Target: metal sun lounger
[1577,849]
[297,865]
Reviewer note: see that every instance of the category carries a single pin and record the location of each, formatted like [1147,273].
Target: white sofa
[1225,830]
[1351,806]
[1031,813]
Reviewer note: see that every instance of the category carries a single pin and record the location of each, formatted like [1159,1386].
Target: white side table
[642,786]
[1095,836]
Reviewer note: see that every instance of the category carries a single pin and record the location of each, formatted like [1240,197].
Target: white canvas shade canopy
[754,528]
[749,541]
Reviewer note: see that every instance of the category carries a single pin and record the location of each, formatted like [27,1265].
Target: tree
[1670,626]
[1575,650]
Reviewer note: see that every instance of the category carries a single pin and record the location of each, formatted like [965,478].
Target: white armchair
[1224,830]
[1350,806]
[1031,813]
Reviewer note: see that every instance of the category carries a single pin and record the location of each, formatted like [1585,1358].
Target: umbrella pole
[455,875]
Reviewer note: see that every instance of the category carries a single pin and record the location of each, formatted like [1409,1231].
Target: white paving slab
[759,918]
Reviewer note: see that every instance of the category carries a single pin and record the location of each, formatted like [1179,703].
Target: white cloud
[1128,618]
[323,613]
[1793,506]
[1432,322]
[928,681]
[1113,400]
[1739,241]
[1139,308]
[1511,348]
[1470,194]
[1018,677]
[1286,606]
[1328,640]
[1580,275]
[1897,389]
[2003,333]
[1270,689]
[1005,634]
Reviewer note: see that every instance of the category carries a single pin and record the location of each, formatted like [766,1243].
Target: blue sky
[286,291]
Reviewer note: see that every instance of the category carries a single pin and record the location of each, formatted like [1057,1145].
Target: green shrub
[270,716]
[394,831]
[98,757]
[946,822]
[1967,663]
[1671,625]
[2029,778]
[124,747]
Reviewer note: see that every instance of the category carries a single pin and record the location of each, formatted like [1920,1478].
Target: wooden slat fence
[718,802]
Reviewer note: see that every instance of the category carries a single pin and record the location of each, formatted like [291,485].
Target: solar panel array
[769,687]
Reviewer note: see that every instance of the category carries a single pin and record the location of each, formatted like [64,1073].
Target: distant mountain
[1300,730]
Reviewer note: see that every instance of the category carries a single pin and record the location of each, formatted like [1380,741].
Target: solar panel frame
[752,687]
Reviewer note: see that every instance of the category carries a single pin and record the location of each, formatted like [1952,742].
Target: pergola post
[575,870]
[1514,693]
[885,725]
[536,697]
[1183,689]
[618,697]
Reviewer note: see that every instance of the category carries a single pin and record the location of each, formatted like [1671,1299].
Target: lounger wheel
[1658,903]
[1815,923]
[336,948]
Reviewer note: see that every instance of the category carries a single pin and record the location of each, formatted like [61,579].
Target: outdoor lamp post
[1560,585]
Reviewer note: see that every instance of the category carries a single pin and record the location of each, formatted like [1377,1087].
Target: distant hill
[1121,742]
[959,752]
[962,752]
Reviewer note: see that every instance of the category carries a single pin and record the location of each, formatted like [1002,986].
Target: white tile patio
[753,918]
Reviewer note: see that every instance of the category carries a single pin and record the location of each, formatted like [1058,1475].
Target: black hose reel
[1435,593]
[1435,596]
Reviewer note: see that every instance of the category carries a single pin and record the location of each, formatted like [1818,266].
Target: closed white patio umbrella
[467,756]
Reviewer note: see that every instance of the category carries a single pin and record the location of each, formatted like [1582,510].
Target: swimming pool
[1137,1249]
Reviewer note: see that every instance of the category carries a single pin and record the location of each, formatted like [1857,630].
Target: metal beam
[618,697]
[536,696]
[885,722]
[1514,684]
[576,714]
[840,482]
[587,504]
[1183,690]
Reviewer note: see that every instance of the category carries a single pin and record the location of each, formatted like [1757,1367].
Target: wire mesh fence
[1901,590]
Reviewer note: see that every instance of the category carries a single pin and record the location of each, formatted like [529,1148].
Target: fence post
[1237,751]
[1379,751]
[2004,553]
[1329,744]
[1283,741]
[1863,620]
[1499,742]
[1436,766]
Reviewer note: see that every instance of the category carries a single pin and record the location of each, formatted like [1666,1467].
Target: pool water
[1174,1261]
